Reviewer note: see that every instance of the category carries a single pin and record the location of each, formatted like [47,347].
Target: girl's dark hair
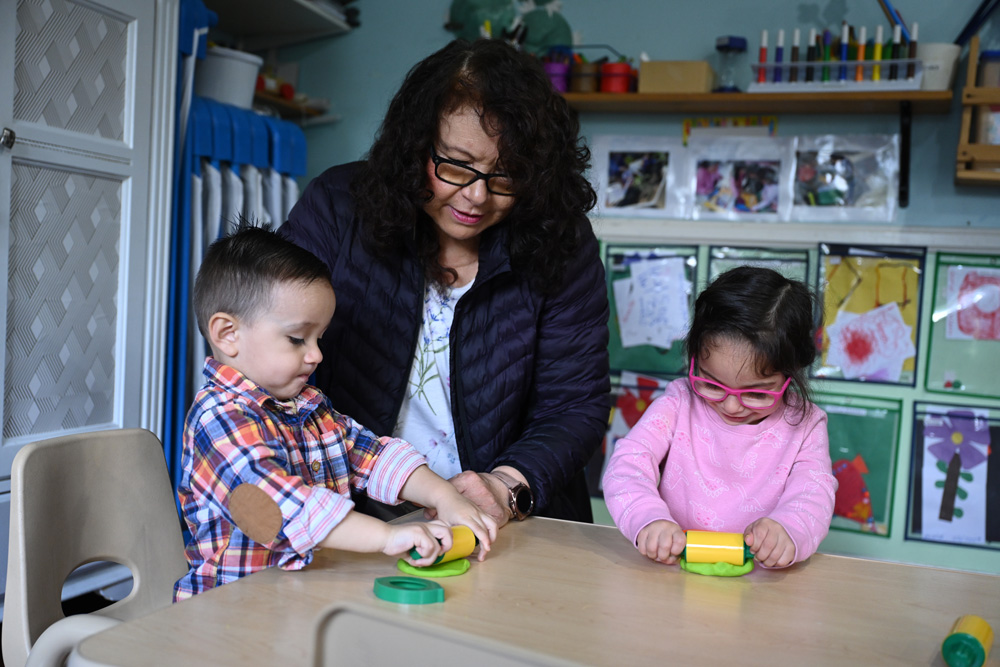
[241,269]
[539,148]
[765,310]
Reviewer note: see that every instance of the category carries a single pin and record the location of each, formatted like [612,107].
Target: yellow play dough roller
[463,543]
[704,546]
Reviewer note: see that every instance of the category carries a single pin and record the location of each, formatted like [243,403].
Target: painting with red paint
[853,501]
[974,302]
[871,309]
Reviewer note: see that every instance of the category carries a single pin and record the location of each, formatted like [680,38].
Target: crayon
[877,54]
[859,71]
[895,50]
[845,39]
[911,67]
[762,71]
[810,53]
[779,54]
[793,72]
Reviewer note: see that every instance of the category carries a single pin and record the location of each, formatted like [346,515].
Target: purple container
[558,75]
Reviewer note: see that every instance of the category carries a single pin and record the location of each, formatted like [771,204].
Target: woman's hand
[486,492]
[454,510]
[662,541]
[769,543]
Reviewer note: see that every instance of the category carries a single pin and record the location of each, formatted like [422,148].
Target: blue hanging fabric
[195,20]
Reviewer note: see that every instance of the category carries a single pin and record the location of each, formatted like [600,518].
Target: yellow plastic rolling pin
[463,543]
[968,643]
[704,546]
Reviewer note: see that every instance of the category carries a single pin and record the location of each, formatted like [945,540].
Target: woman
[472,312]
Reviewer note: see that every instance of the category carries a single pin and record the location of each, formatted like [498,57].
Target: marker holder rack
[835,84]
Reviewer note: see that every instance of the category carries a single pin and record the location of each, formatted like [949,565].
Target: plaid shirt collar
[234,381]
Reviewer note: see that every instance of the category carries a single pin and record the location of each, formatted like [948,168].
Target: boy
[268,464]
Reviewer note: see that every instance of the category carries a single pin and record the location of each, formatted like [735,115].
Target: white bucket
[227,76]
[939,64]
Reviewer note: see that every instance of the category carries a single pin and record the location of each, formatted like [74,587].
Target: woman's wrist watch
[520,500]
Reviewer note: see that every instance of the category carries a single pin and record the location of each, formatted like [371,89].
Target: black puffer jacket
[529,373]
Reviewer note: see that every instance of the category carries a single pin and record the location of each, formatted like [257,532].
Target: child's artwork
[792,263]
[954,475]
[864,433]
[964,351]
[650,293]
[637,176]
[745,178]
[871,308]
[840,177]
[631,396]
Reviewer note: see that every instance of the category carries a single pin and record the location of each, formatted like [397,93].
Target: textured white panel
[70,70]
[61,300]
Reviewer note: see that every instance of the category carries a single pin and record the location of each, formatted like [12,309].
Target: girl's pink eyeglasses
[752,399]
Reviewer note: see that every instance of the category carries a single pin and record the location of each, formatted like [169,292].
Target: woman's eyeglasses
[752,399]
[456,173]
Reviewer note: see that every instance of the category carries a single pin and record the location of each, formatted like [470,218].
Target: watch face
[523,501]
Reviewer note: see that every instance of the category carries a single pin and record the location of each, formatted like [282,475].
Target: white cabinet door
[86,88]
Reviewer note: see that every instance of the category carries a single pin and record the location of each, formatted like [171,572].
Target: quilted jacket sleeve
[568,412]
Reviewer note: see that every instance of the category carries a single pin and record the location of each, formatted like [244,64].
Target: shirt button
[315,466]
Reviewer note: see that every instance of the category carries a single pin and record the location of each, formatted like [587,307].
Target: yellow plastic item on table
[705,546]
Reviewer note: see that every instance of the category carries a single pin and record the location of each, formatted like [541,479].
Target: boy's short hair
[241,269]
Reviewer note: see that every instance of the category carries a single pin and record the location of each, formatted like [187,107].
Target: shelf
[266,24]
[866,102]
[976,164]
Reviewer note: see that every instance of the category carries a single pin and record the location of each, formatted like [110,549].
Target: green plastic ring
[408,590]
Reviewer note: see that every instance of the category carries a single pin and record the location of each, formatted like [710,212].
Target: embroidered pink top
[682,463]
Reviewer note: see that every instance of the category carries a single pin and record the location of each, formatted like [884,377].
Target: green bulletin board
[864,436]
[963,357]
[649,304]
[793,264]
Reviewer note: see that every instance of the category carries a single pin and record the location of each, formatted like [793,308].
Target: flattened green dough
[717,569]
[450,569]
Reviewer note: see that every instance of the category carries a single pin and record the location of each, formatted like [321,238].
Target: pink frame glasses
[738,393]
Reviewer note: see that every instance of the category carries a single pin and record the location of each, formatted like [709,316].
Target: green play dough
[452,568]
[717,569]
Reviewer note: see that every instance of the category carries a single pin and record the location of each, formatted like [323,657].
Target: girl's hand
[454,509]
[769,543]
[420,536]
[662,541]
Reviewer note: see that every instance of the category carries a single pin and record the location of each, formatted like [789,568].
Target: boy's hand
[423,537]
[662,541]
[769,542]
[454,509]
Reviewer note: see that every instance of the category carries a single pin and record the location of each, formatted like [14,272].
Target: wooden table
[582,593]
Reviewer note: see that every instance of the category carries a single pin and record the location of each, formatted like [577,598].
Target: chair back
[77,499]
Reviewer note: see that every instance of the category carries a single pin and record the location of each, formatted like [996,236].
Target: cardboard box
[676,76]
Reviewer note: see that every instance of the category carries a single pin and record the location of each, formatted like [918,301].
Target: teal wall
[360,71]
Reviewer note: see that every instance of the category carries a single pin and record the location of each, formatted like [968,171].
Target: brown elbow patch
[255,513]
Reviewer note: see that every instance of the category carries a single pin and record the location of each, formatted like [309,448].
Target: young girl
[736,446]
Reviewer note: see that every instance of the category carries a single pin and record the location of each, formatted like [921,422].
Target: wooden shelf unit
[903,102]
[976,164]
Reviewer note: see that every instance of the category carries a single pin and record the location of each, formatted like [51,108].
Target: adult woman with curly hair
[472,310]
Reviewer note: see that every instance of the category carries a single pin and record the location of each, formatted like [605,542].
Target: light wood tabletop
[581,593]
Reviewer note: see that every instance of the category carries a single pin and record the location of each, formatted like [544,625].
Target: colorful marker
[779,55]
[895,50]
[762,71]
[810,53]
[845,38]
[825,72]
[877,54]
[911,67]
[859,71]
[793,72]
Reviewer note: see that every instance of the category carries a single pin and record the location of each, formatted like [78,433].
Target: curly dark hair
[772,314]
[539,148]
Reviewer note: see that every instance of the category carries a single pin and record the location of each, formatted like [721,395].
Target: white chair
[102,496]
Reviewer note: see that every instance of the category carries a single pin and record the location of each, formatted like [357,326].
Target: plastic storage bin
[227,76]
